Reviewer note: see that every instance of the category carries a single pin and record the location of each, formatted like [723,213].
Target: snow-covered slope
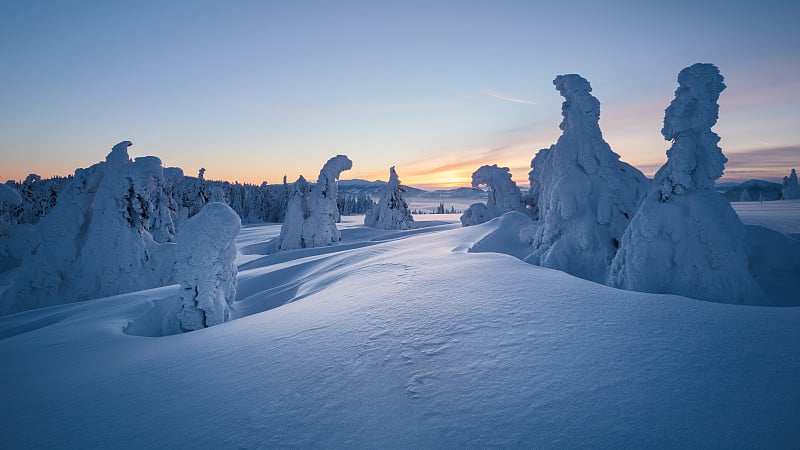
[403,339]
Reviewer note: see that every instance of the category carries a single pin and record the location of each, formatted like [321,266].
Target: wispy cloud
[506,97]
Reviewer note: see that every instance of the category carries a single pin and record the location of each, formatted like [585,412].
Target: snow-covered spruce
[317,208]
[291,236]
[504,195]
[10,199]
[205,267]
[97,240]
[685,238]
[391,212]
[584,194]
[791,188]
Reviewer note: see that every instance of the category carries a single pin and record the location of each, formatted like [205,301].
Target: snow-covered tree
[791,188]
[96,241]
[205,268]
[297,212]
[504,195]
[685,238]
[317,207]
[391,212]
[584,194]
[10,199]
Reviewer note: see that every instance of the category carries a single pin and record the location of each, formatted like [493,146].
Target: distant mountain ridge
[753,191]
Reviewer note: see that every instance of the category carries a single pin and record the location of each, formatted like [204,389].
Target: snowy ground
[781,215]
[404,339]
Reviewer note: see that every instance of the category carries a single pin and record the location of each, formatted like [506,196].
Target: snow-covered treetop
[503,192]
[119,154]
[9,195]
[579,105]
[791,188]
[695,106]
[394,180]
[694,160]
[330,174]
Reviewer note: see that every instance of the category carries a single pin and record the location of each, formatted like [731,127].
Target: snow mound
[504,195]
[584,195]
[391,212]
[685,238]
[205,269]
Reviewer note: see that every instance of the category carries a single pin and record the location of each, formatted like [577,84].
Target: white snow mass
[585,196]
[391,212]
[686,239]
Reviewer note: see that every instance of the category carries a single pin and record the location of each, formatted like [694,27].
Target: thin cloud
[506,97]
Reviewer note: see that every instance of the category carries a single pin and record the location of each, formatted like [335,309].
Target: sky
[253,91]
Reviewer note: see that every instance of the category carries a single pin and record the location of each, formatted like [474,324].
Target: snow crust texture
[584,195]
[791,188]
[205,269]
[312,215]
[685,238]
[391,212]
[109,233]
[504,195]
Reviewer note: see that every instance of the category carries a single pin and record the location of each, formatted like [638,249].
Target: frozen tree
[96,241]
[584,194]
[685,238]
[504,195]
[391,212]
[10,199]
[791,189]
[317,207]
[205,268]
[297,212]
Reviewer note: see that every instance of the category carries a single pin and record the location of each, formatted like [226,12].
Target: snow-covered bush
[312,214]
[791,188]
[685,238]
[391,212]
[205,268]
[585,196]
[10,198]
[504,195]
[96,241]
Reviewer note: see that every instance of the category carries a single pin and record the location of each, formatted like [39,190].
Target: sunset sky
[253,90]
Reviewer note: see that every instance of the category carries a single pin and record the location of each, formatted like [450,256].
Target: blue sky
[255,90]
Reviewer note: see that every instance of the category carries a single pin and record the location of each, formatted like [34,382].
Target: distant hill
[753,191]
[373,188]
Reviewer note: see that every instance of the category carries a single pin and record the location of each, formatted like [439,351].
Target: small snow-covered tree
[317,207]
[791,188]
[297,212]
[10,199]
[504,195]
[391,212]
[206,268]
[685,238]
[584,194]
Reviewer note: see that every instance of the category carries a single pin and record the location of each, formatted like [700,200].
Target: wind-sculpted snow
[97,240]
[791,188]
[504,195]
[313,213]
[686,239]
[406,340]
[391,212]
[584,195]
[205,269]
